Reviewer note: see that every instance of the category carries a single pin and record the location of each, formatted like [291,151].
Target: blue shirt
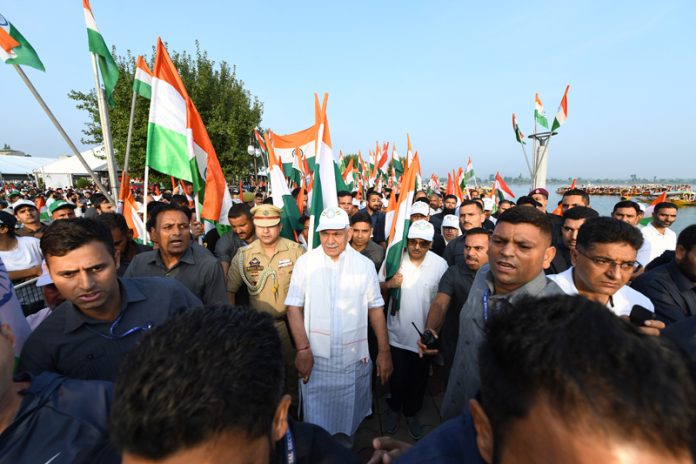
[72,344]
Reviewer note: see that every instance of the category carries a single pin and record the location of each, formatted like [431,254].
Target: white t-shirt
[659,243]
[26,254]
[418,290]
[621,303]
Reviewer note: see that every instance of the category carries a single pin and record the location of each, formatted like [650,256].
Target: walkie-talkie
[427,338]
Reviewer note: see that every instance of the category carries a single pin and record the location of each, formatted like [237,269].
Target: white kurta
[659,243]
[338,395]
[418,291]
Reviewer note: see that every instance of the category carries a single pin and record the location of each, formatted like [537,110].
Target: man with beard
[452,292]
[360,240]
[471,215]
[658,233]
[242,234]
[519,251]
[448,207]
[572,220]
[435,201]
[374,209]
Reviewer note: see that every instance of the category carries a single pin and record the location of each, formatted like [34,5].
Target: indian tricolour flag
[282,198]
[327,177]
[178,143]
[142,83]
[129,209]
[502,190]
[348,177]
[519,136]
[539,112]
[399,222]
[562,113]
[469,171]
[97,45]
[286,145]
[14,48]
[647,216]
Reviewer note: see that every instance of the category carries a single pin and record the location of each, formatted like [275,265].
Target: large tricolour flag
[327,177]
[501,189]
[282,198]
[178,143]
[97,45]
[14,48]
[399,222]
[562,113]
[285,147]
[142,82]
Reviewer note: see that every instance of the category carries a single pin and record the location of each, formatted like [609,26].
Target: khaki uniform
[274,274]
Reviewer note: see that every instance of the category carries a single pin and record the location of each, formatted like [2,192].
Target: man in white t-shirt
[604,259]
[21,255]
[418,278]
[658,233]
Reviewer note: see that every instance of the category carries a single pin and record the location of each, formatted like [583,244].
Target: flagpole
[526,159]
[130,133]
[145,193]
[62,132]
[106,128]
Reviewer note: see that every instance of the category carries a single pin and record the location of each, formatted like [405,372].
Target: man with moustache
[470,215]
[178,258]
[519,251]
[452,292]
[449,206]
[658,233]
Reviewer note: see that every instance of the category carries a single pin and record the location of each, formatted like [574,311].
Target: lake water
[605,204]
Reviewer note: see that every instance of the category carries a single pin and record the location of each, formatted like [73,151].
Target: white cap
[421,229]
[333,218]
[450,220]
[421,208]
[45,277]
[19,203]
[488,204]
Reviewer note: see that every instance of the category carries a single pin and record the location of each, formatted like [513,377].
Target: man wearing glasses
[103,316]
[604,260]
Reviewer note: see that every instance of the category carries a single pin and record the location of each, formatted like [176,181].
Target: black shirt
[72,344]
[454,251]
[672,293]
[455,283]
[561,261]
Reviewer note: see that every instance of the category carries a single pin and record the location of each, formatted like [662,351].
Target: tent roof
[72,165]
[21,165]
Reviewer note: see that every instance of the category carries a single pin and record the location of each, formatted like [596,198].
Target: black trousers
[408,381]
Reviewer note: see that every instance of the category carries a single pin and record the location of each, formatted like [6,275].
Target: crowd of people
[560,338]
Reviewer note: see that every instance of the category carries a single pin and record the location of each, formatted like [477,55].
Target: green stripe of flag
[25,53]
[107,65]
[167,152]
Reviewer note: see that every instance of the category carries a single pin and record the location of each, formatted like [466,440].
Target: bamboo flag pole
[62,132]
[106,129]
[130,133]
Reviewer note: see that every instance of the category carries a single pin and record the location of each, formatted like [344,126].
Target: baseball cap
[333,218]
[6,219]
[266,215]
[421,208]
[450,220]
[56,205]
[20,203]
[421,229]
[539,191]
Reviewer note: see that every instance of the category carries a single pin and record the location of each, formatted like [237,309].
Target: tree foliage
[229,111]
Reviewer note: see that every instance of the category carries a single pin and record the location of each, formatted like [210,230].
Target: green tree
[229,111]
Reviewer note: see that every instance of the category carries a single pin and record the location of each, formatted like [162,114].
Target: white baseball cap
[488,204]
[333,218]
[421,229]
[421,208]
[20,203]
[450,220]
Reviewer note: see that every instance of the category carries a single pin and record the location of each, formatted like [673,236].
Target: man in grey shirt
[176,257]
[103,317]
[361,239]
[519,251]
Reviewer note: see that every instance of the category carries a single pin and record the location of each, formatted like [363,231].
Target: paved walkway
[373,426]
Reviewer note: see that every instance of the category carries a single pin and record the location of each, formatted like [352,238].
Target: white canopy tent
[62,173]
[21,167]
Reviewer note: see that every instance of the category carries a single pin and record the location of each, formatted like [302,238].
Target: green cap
[58,204]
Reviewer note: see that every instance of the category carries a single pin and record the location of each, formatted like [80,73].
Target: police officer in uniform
[265,268]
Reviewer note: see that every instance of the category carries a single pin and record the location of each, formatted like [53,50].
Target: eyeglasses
[606,263]
[419,243]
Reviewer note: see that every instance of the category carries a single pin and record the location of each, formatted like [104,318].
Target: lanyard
[486,295]
[291,459]
[112,335]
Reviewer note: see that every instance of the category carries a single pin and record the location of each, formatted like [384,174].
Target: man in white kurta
[333,294]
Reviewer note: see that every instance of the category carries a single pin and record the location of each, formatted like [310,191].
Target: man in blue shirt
[103,316]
